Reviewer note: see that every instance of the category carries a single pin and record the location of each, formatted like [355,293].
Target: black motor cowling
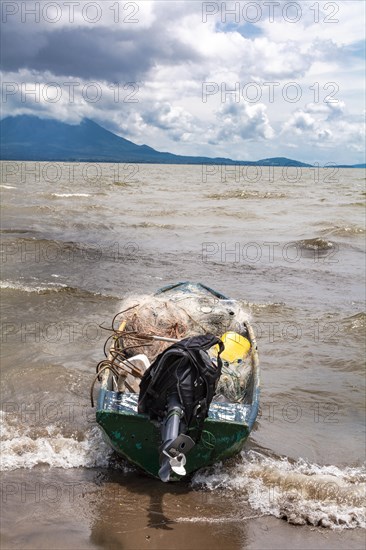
[177,390]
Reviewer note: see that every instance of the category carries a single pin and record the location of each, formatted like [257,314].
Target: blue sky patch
[247,30]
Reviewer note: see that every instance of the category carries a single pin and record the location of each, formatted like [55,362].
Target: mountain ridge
[30,138]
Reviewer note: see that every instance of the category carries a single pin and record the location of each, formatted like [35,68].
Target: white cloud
[170,53]
[341,22]
[240,121]
[326,126]
[176,121]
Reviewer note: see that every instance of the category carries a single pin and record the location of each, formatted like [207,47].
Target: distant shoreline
[203,163]
[31,139]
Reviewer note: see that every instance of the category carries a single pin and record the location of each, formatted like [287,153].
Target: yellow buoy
[236,347]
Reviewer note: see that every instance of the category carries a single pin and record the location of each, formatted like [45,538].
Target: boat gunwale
[239,430]
[254,402]
[146,417]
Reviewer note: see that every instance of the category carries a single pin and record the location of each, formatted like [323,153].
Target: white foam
[7,186]
[68,195]
[222,519]
[298,492]
[22,448]
[26,288]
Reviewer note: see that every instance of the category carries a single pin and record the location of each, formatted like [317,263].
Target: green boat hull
[137,439]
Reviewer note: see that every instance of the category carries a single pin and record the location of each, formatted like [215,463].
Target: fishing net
[183,316]
[178,317]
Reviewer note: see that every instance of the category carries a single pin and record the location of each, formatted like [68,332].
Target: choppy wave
[23,447]
[344,230]
[121,184]
[240,194]
[49,287]
[269,307]
[44,250]
[222,519]
[315,244]
[355,204]
[354,322]
[39,289]
[69,195]
[148,225]
[350,325]
[301,493]
[15,230]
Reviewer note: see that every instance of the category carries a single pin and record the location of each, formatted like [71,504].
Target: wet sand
[87,509]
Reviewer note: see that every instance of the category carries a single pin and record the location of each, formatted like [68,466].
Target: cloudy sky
[245,80]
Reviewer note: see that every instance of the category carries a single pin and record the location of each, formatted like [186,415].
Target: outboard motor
[177,390]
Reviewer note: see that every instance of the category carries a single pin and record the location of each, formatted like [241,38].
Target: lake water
[79,238]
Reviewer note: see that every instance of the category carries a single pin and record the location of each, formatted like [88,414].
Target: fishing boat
[179,384]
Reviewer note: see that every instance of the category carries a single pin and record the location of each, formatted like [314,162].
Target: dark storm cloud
[96,53]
